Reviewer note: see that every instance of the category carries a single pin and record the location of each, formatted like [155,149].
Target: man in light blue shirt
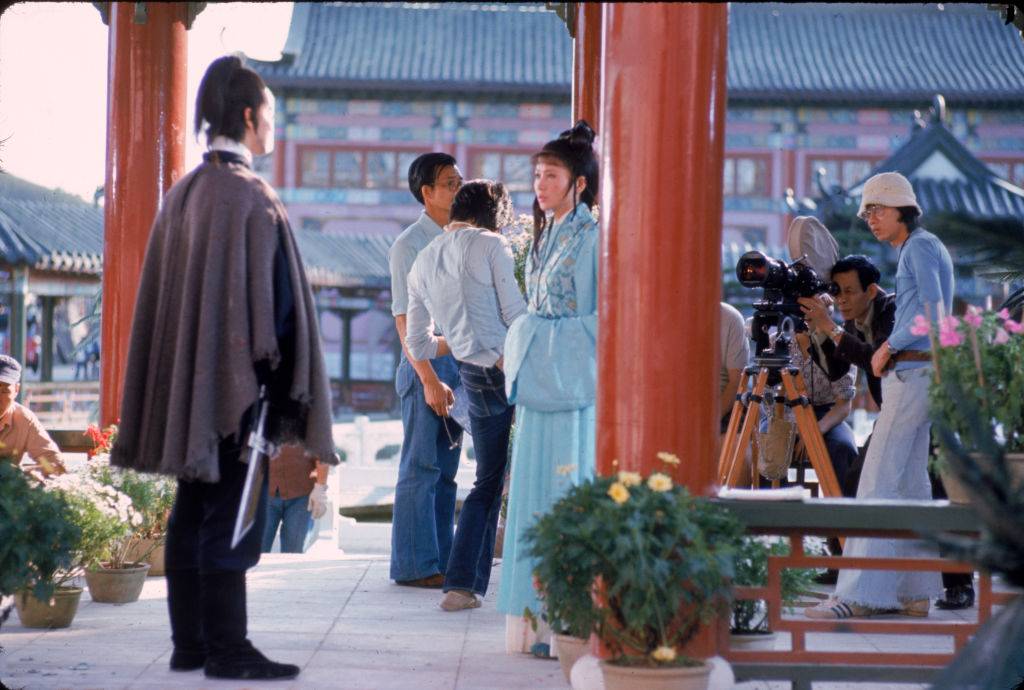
[896,465]
[424,513]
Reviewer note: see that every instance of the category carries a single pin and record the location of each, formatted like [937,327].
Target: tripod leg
[729,444]
[747,430]
[811,434]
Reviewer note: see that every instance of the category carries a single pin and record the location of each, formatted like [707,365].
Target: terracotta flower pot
[958,493]
[668,678]
[570,649]
[149,551]
[58,612]
[116,585]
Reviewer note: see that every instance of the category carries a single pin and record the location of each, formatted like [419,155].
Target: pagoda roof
[778,52]
[48,229]
[946,176]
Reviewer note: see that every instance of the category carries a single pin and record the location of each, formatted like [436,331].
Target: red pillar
[661,213]
[145,156]
[586,66]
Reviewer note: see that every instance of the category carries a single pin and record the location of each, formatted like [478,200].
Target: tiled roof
[345,260]
[426,46]
[48,229]
[859,53]
[964,183]
[873,53]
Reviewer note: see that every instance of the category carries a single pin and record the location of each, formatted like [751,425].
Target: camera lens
[752,269]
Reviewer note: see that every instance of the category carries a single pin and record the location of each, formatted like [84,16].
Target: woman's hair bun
[581,134]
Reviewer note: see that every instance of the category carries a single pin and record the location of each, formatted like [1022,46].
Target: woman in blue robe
[550,361]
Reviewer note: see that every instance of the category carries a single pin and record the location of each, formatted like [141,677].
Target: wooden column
[663,120]
[145,156]
[46,348]
[661,213]
[18,320]
[586,66]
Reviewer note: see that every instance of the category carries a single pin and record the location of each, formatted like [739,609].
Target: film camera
[778,309]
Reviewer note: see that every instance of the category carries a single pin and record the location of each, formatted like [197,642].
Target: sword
[259,448]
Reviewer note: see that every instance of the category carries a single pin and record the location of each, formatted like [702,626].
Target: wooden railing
[62,404]
[875,518]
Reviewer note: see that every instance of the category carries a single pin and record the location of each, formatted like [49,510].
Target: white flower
[630,478]
[659,482]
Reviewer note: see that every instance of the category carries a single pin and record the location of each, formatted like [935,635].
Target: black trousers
[203,519]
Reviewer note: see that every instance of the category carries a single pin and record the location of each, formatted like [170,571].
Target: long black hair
[227,89]
[574,149]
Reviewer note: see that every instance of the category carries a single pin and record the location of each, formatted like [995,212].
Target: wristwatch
[836,332]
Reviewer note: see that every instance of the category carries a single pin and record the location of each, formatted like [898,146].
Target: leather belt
[909,356]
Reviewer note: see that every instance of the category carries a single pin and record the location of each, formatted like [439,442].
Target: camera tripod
[774,372]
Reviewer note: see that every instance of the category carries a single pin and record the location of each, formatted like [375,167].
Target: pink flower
[973,316]
[921,326]
[1002,337]
[950,338]
[1004,314]
[1012,326]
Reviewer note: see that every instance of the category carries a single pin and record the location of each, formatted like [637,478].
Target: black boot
[230,654]
[186,627]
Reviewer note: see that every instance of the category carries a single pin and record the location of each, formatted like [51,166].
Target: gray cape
[204,317]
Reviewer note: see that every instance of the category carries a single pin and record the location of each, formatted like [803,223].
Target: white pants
[896,467]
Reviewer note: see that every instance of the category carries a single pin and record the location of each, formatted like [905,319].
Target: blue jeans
[296,523]
[424,515]
[842,448]
[490,419]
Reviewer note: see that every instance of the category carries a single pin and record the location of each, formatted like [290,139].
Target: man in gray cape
[223,309]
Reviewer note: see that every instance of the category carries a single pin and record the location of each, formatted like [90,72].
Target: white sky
[53,82]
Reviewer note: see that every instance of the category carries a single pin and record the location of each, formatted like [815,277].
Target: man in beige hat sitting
[21,432]
[896,465]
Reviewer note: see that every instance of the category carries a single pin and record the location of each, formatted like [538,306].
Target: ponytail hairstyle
[227,89]
[573,149]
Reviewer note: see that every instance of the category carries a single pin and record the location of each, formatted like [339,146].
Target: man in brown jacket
[296,500]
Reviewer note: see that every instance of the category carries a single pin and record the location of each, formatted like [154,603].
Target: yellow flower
[565,469]
[659,482]
[669,458]
[630,478]
[664,653]
[618,493]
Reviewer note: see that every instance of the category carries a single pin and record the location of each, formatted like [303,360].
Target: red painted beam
[145,156]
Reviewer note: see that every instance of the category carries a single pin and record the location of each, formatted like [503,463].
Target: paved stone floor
[337,616]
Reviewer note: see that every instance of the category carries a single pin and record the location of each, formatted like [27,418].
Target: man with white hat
[896,465]
[21,432]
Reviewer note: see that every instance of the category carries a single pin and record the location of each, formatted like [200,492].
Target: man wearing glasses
[897,459]
[424,513]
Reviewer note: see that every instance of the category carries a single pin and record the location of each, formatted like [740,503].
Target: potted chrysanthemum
[107,520]
[152,498]
[37,543]
[983,354]
[661,563]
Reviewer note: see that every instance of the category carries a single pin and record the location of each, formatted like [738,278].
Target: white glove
[318,501]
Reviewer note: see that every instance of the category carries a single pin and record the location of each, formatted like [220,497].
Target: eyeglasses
[871,210]
[452,184]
